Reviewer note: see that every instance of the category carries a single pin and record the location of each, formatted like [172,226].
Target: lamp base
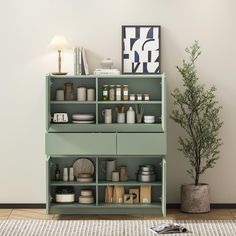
[59,73]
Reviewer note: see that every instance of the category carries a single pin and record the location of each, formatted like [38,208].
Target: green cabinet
[141,144]
[81,143]
[129,144]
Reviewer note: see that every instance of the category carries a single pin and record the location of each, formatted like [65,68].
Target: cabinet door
[80,144]
[141,144]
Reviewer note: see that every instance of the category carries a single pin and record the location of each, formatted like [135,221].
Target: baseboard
[169,205]
[213,205]
[23,205]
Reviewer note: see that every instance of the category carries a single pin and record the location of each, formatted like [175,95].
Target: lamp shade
[59,42]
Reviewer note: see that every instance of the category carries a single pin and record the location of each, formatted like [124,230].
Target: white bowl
[149,121]
[149,117]
[65,198]
[85,180]
[86,193]
[86,200]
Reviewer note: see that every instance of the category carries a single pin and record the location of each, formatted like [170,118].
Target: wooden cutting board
[118,194]
[145,194]
[109,194]
[83,166]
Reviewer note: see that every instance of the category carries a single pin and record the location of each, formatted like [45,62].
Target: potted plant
[196,110]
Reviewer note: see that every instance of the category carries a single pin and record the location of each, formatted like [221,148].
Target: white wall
[27,27]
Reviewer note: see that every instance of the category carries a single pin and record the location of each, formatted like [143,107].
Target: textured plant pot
[195,199]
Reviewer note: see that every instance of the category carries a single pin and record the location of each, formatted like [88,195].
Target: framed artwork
[141,49]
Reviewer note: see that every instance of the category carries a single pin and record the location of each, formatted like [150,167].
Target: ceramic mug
[107,113]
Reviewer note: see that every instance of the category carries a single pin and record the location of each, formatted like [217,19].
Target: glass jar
[105,91]
[139,97]
[132,97]
[118,92]
[146,97]
[125,92]
[112,93]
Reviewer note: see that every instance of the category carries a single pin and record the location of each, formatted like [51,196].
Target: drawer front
[141,144]
[80,144]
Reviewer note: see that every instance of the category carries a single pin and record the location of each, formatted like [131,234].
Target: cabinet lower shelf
[103,208]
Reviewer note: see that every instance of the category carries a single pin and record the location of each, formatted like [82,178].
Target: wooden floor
[215,214]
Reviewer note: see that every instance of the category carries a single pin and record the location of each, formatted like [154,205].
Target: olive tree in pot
[196,110]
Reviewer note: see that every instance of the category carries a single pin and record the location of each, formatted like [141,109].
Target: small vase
[69,91]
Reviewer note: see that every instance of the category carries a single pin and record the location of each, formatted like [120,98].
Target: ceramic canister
[110,167]
[120,117]
[90,94]
[81,94]
[60,95]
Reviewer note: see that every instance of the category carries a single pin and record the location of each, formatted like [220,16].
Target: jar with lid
[125,92]
[132,97]
[112,92]
[146,97]
[118,92]
[105,91]
[123,173]
[139,97]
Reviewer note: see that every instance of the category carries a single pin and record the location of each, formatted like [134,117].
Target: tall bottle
[57,173]
[130,116]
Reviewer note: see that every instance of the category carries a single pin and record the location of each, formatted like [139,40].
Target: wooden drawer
[80,144]
[141,144]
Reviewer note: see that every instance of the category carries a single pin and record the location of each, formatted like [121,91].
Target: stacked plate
[146,173]
[86,196]
[83,118]
[149,119]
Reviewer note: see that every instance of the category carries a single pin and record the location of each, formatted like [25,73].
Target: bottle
[125,92]
[112,93]
[105,92]
[118,92]
[57,173]
[130,116]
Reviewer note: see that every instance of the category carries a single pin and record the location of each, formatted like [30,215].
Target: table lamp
[59,43]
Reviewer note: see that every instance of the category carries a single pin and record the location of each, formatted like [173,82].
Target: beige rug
[110,227]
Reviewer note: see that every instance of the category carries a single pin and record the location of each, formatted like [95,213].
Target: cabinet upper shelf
[154,85]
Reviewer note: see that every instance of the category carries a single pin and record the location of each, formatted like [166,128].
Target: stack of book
[80,62]
[103,71]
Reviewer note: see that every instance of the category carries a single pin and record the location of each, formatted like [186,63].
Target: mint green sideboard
[130,144]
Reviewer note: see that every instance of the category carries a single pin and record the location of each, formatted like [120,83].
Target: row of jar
[67,94]
[118,93]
